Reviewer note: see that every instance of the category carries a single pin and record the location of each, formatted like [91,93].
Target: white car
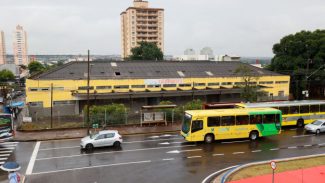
[101,139]
[317,126]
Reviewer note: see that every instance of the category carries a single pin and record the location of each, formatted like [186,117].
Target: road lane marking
[97,166]
[3,159]
[218,154]
[47,149]
[5,143]
[131,150]
[235,141]
[7,148]
[4,155]
[292,147]
[299,136]
[5,152]
[130,142]
[274,149]
[321,144]
[9,145]
[177,151]
[2,162]
[168,159]
[238,152]
[30,166]
[309,145]
[257,151]
[191,157]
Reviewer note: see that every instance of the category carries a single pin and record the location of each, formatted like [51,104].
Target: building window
[138,86]
[169,85]
[281,93]
[66,102]
[33,89]
[103,87]
[266,82]
[154,86]
[281,82]
[117,73]
[36,104]
[213,84]
[185,85]
[121,87]
[199,84]
[239,83]
[226,83]
[85,88]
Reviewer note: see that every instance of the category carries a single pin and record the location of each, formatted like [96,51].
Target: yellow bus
[297,113]
[218,124]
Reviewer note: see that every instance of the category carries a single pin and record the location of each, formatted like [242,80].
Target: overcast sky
[240,27]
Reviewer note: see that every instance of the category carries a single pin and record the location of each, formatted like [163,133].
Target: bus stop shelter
[156,114]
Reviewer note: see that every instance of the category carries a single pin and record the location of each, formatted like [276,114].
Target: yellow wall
[70,85]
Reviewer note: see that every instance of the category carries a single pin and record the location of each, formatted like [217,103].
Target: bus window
[322,108]
[213,121]
[268,118]
[285,110]
[197,125]
[304,109]
[242,120]
[256,119]
[314,108]
[293,110]
[277,118]
[227,120]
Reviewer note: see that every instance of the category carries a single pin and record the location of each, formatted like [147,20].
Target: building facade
[20,46]
[140,83]
[141,23]
[2,48]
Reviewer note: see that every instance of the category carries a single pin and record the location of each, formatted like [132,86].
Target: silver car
[317,126]
[101,139]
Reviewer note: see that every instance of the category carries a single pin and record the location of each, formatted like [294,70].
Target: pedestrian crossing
[6,148]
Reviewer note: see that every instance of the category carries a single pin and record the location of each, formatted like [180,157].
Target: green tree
[299,55]
[146,51]
[250,90]
[6,75]
[35,67]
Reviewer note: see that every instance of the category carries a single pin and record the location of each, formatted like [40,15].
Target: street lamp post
[88,80]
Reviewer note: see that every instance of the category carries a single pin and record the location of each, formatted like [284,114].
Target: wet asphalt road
[156,158]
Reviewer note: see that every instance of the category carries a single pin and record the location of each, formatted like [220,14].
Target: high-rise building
[20,46]
[2,48]
[141,23]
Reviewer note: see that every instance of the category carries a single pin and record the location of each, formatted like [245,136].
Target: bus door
[256,123]
[197,133]
[242,126]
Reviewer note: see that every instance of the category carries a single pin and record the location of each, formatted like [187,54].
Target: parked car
[101,139]
[317,126]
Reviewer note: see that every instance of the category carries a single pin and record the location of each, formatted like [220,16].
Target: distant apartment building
[20,46]
[2,49]
[141,23]
[226,58]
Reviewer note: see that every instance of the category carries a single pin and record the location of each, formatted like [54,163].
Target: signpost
[273,166]
[95,125]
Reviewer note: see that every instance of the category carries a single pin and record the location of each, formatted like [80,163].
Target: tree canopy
[296,52]
[35,67]
[146,51]
[302,56]
[6,75]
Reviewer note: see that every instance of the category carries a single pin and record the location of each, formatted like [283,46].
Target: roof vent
[180,73]
[113,64]
[209,73]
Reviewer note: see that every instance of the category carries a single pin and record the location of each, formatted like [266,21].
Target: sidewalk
[307,175]
[79,133]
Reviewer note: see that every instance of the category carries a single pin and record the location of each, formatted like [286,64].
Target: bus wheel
[209,138]
[300,123]
[253,135]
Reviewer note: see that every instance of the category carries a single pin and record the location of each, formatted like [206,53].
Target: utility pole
[88,80]
[51,105]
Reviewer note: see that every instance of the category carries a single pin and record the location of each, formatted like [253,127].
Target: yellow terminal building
[140,83]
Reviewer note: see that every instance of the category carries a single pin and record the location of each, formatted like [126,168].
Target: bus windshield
[186,123]
[6,127]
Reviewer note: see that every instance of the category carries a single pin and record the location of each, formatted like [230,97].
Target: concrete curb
[226,176]
[77,137]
